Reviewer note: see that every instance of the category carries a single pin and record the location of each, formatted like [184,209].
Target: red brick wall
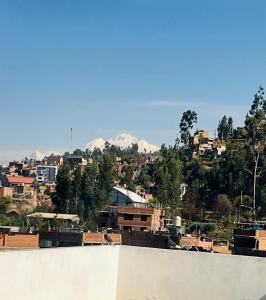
[21,240]
[115,237]
[93,238]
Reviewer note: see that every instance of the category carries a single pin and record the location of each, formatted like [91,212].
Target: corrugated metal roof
[74,218]
[131,195]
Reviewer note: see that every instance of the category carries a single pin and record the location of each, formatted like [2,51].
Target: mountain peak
[124,140]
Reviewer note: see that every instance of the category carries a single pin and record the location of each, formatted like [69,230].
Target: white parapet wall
[76,273]
[129,273]
[157,274]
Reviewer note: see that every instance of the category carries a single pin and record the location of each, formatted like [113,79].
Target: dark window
[128,217]
[143,218]
[129,228]
[244,242]
[143,228]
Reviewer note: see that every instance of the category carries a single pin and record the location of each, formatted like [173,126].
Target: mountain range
[123,141]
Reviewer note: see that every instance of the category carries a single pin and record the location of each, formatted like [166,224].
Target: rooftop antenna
[71,139]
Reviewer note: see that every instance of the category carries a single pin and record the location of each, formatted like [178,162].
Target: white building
[45,173]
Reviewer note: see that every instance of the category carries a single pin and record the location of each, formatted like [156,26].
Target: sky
[107,67]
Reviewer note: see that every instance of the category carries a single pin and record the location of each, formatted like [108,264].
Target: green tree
[127,178]
[189,118]
[4,203]
[168,178]
[106,180]
[63,195]
[144,179]
[256,128]
[77,205]
[230,126]
[223,205]
[89,190]
[222,129]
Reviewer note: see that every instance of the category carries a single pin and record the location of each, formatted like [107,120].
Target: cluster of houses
[205,146]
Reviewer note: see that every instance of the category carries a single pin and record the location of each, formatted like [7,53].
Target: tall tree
[168,178]
[77,206]
[222,129]
[230,126]
[189,118]
[256,127]
[127,178]
[106,179]
[89,190]
[63,195]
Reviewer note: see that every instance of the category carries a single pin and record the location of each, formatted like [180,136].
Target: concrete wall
[157,274]
[129,273]
[75,273]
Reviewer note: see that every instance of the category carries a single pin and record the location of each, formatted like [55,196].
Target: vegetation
[219,188]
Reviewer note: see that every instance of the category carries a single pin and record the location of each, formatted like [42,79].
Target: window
[143,218]
[128,217]
[129,228]
[143,228]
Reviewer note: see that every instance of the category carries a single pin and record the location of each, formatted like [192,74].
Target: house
[200,137]
[124,197]
[19,183]
[129,211]
[76,160]
[139,219]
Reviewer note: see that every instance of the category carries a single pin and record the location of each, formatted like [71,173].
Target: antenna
[71,130]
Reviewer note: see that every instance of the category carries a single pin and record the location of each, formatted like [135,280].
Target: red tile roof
[20,179]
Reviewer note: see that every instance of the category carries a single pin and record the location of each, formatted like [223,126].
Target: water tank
[177,221]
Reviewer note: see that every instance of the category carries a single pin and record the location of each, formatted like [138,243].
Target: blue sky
[107,67]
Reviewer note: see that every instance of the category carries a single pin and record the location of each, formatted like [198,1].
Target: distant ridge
[123,141]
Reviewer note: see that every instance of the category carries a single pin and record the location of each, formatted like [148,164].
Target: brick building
[250,239]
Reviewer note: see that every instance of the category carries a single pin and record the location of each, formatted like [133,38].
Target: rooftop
[131,195]
[20,179]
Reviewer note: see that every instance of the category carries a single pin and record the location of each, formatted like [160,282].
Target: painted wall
[75,273]
[156,274]
[129,273]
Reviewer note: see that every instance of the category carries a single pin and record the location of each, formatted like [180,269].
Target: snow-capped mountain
[38,155]
[123,141]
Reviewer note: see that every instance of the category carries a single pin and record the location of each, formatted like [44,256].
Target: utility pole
[71,140]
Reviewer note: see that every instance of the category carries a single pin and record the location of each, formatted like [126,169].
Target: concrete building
[46,173]
[132,218]
[130,211]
